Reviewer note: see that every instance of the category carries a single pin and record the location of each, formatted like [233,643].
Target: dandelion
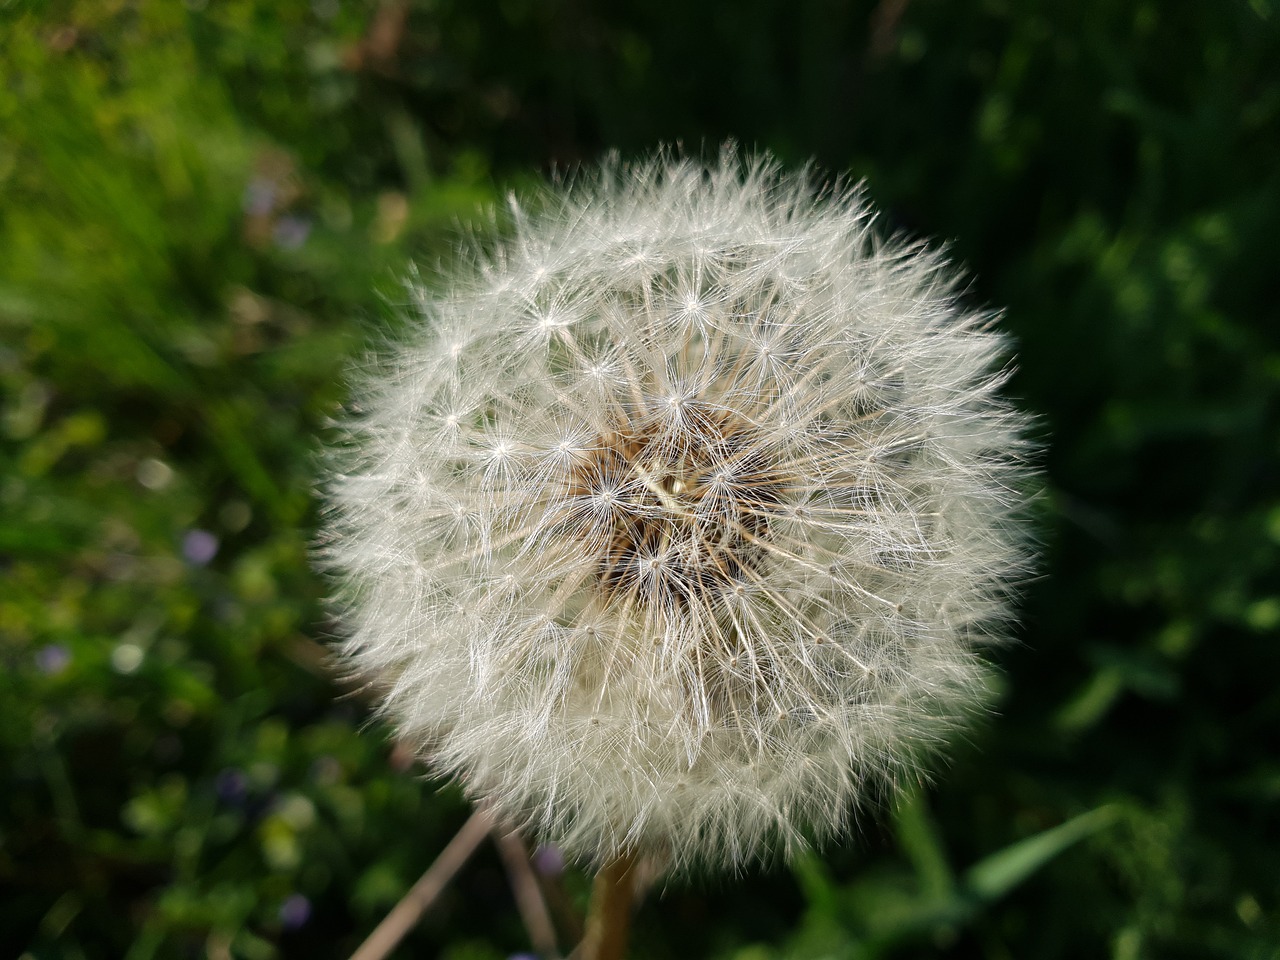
[677,527]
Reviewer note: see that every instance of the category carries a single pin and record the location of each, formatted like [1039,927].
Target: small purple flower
[523,956]
[199,547]
[548,861]
[291,231]
[295,911]
[231,785]
[259,197]
[52,659]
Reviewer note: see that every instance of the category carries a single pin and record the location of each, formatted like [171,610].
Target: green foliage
[203,209]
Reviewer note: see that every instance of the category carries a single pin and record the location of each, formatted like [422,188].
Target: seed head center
[688,513]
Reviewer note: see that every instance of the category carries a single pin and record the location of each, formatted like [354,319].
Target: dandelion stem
[609,917]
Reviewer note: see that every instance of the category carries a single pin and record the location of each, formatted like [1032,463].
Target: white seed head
[679,523]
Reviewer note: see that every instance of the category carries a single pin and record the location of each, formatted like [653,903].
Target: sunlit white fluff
[675,524]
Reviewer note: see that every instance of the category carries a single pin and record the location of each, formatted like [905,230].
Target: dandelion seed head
[681,522]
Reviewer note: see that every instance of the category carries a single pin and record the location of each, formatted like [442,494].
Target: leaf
[918,837]
[993,877]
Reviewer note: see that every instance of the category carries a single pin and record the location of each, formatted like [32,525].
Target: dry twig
[422,894]
[528,893]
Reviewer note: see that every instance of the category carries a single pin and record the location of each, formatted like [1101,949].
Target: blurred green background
[205,212]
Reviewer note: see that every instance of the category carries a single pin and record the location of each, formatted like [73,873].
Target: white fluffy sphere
[675,526]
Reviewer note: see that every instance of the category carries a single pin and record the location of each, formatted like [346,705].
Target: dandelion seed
[679,526]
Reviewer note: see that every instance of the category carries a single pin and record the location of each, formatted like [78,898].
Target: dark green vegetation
[204,208]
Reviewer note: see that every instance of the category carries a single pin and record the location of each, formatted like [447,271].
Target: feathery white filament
[677,527]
